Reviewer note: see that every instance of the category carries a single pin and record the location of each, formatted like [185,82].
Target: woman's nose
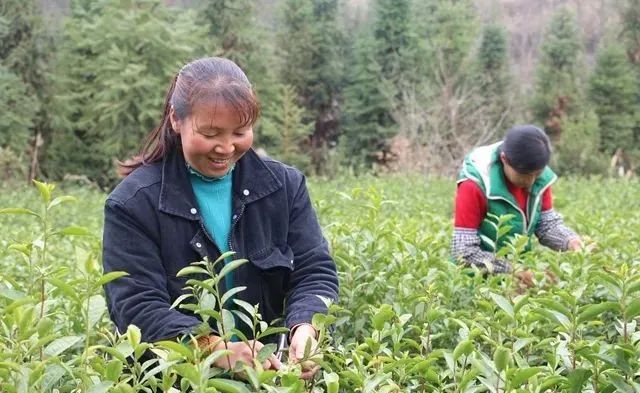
[224,147]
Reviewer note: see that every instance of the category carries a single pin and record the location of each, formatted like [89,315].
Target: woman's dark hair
[207,80]
[527,148]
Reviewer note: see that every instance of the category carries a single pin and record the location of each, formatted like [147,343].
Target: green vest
[484,167]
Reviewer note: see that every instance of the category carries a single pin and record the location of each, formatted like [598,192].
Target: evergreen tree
[16,123]
[393,36]
[19,111]
[113,83]
[454,119]
[448,28]
[310,42]
[613,92]
[630,15]
[26,50]
[581,153]
[493,70]
[559,102]
[284,131]
[367,104]
[557,88]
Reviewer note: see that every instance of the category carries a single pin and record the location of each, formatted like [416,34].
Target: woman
[508,177]
[198,190]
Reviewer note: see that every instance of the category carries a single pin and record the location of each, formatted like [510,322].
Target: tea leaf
[60,345]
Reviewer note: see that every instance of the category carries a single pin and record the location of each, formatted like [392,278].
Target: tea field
[408,319]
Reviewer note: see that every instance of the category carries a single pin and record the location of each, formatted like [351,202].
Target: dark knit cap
[527,148]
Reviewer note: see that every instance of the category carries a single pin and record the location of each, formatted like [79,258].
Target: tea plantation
[408,319]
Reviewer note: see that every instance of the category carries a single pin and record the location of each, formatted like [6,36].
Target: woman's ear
[173,119]
[503,157]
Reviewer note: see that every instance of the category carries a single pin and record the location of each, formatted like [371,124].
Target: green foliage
[613,92]
[407,320]
[284,132]
[391,31]
[449,29]
[26,51]
[559,101]
[112,83]
[579,150]
[310,43]
[630,14]
[493,69]
[629,11]
[19,113]
[368,99]
[409,79]
[557,88]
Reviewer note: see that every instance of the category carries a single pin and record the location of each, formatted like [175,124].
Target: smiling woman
[198,190]
[214,137]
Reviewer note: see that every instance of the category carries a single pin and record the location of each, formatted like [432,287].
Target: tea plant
[408,319]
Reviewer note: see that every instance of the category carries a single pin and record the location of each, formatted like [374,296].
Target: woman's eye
[208,136]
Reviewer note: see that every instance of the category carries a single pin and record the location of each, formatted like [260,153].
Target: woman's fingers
[275,362]
[310,373]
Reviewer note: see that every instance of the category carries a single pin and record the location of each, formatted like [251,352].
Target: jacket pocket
[272,258]
[273,267]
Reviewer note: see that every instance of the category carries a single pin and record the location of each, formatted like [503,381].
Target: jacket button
[199,245]
[193,210]
[245,192]
[234,216]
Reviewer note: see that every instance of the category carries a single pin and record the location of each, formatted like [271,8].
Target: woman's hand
[525,278]
[301,335]
[241,352]
[575,244]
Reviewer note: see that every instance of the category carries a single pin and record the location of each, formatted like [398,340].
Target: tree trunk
[35,151]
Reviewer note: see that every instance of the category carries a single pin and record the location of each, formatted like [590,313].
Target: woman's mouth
[219,162]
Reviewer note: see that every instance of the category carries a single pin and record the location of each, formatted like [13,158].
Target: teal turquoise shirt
[214,199]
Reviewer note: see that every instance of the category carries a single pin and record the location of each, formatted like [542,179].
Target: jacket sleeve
[140,298]
[314,272]
[465,246]
[552,232]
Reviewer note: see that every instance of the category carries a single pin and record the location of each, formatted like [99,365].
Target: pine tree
[493,70]
[613,92]
[26,49]
[392,34]
[367,105]
[310,42]
[559,102]
[558,87]
[630,15]
[455,119]
[16,123]
[284,131]
[113,84]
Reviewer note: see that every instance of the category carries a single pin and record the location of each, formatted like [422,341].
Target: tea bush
[408,319]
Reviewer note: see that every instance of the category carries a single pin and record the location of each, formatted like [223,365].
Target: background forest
[346,85]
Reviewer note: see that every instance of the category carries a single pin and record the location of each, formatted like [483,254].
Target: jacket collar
[252,180]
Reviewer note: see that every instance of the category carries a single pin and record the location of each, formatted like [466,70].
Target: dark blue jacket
[153,229]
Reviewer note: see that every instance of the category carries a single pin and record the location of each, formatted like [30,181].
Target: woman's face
[521,180]
[213,138]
